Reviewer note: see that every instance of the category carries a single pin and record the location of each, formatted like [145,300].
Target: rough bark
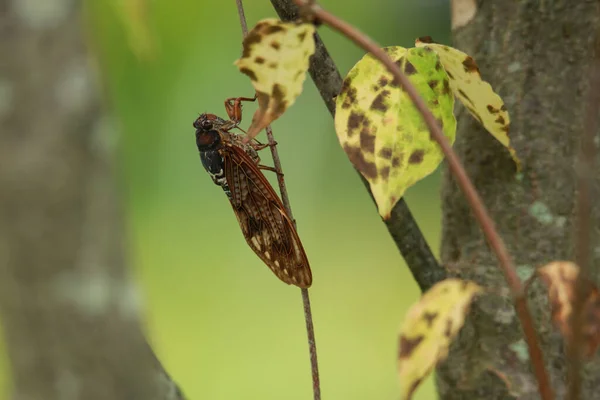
[68,307]
[537,55]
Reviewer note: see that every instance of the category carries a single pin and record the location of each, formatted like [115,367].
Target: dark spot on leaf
[273,29]
[446,87]
[350,98]
[396,161]
[259,60]
[355,155]
[506,129]
[464,96]
[383,80]
[251,39]
[450,75]
[445,48]
[354,122]
[388,50]
[407,346]
[409,69]
[500,120]
[386,153]
[367,140]
[503,107]
[426,39]
[432,83]
[272,65]
[492,110]
[301,36]
[385,172]
[469,65]
[248,72]
[438,66]
[375,88]
[379,102]
[448,330]
[395,83]
[275,45]
[260,25]
[416,157]
[430,318]
[398,62]
[279,97]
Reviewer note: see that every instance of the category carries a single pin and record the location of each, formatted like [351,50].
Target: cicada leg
[233,106]
[272,169]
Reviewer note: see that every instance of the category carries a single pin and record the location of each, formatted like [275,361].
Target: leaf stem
[465,184]
[310,330]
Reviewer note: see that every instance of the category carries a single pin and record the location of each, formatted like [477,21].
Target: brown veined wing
[262,218]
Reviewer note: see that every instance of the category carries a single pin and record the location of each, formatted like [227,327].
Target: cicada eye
[203,123]
[206,124]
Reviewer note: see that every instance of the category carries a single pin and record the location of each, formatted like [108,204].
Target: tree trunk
[68,307]
[537,54]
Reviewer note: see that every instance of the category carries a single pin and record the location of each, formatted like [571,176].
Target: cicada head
[207,135]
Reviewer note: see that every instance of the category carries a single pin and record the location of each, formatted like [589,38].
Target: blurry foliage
[220,322]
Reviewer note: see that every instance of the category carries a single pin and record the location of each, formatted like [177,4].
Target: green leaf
[380,129]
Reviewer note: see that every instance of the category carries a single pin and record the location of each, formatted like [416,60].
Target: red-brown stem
[487,225]
[585,178]
[310,330]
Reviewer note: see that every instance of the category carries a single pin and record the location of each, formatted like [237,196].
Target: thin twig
[585,178]
[310,330]
[465,184]
[401,225]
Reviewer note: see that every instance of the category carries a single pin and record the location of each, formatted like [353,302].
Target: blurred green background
[219,320]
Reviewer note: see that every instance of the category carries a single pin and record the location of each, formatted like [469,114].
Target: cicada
[235,166]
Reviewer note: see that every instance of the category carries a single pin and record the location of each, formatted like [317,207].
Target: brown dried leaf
[561,277]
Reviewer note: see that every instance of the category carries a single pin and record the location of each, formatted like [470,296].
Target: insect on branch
[288,209]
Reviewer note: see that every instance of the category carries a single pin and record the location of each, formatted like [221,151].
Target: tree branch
[402,227]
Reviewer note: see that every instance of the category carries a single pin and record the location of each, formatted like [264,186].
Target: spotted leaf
[429,328]
[477,95]
[560,278]
[275,58]
[380,129]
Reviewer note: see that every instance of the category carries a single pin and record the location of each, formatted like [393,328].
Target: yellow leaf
[476,94]
[275,58]
[429,328]
[380,129]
